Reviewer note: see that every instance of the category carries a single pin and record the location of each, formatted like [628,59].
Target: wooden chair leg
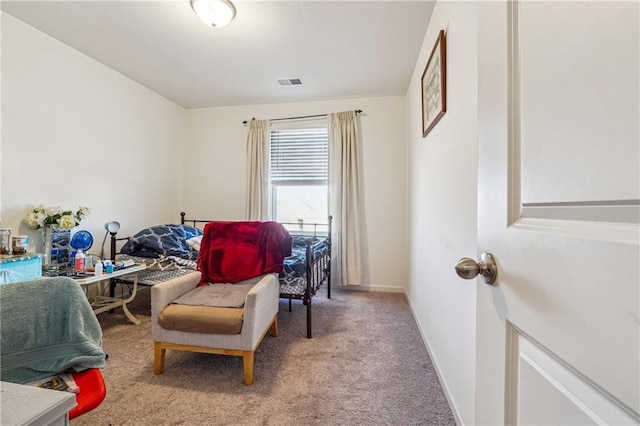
[274,327]
[158,358]
[247,360]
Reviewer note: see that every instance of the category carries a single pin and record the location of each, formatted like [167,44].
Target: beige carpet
[365,365]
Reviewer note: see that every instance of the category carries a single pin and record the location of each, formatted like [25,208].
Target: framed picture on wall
[434,86]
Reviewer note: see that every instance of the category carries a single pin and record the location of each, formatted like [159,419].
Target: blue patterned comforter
[294,265]
[163,240]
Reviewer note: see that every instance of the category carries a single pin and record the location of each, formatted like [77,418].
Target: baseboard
[454,408]
[379,288]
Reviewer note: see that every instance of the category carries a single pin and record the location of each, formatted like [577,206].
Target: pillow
[162,240]
[194,242]
[301,240]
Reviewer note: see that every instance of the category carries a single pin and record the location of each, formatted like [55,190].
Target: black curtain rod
[358,111]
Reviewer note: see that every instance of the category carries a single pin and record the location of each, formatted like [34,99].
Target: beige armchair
[258,316]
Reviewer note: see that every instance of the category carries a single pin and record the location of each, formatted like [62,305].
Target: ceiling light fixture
[214,13]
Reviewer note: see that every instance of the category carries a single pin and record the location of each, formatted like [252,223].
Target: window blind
[299,156]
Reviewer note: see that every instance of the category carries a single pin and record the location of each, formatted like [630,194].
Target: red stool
[92,391]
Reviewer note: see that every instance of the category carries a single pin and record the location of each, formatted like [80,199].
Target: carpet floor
[365,365]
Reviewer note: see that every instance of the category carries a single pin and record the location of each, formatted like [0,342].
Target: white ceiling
[339,49]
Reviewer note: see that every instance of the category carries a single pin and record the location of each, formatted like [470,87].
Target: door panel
[578,96]
[558,207]
[547,391]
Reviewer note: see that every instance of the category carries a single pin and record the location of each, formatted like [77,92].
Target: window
[299,163]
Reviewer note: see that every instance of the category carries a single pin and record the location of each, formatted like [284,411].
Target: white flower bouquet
[45,216]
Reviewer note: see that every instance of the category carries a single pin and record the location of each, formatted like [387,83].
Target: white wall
[442,207]
[75,132]
[216,172]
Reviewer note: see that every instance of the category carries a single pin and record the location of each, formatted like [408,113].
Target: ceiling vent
[290,81]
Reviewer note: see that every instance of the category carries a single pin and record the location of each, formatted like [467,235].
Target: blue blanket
[47,326]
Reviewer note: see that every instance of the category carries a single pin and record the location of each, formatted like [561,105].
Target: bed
[171,251]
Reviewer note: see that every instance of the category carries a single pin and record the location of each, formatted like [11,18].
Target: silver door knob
[468,268]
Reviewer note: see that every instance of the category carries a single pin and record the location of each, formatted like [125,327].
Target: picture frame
[434,85]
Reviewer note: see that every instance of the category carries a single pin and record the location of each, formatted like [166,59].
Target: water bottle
[79,262]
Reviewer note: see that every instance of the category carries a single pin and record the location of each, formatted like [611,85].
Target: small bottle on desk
[79,262]
[98,268]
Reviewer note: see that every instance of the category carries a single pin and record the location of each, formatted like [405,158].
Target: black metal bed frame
[317,268]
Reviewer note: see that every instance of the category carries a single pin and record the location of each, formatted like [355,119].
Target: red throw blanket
[235,251]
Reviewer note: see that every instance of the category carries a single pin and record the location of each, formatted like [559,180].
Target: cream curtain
[257,204]
[345,199]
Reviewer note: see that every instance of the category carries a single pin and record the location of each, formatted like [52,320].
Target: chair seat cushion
[216,295]
[202,319]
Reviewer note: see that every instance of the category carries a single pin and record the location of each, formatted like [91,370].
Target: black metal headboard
[315,226]
[193,222]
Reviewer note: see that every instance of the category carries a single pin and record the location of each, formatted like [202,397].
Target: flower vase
[55,247]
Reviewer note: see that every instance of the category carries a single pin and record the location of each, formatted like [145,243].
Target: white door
[559,186]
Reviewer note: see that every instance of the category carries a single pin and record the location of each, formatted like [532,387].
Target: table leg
[126,311]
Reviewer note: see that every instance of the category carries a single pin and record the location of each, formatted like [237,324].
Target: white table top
[90,279]
[30,405]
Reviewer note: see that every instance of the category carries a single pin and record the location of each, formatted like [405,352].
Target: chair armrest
[260,290]
[164,293]
[261,305]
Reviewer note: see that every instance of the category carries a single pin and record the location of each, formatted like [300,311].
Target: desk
[30,405]
[104,303]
